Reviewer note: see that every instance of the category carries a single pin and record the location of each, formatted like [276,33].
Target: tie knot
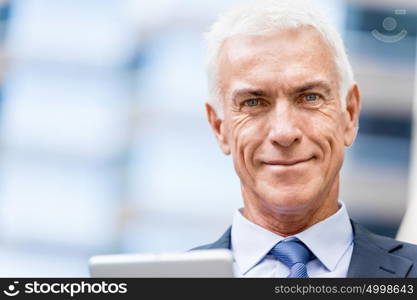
[292,252]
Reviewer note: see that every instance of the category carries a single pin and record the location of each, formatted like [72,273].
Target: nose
[284,130]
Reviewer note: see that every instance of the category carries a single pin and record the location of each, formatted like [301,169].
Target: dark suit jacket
[373,255]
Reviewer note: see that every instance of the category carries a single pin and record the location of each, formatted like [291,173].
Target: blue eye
[311,97]
[251,102]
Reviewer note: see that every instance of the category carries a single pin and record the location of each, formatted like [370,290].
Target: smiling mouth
[287,163]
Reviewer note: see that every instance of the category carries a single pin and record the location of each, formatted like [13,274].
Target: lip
[287,163]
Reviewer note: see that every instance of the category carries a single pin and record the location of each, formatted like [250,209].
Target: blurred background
[104,145]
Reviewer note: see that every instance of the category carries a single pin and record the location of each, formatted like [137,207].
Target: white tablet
[199,263]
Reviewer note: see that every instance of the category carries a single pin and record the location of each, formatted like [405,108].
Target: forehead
[286,56]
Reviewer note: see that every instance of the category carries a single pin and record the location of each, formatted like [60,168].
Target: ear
[353,107]
[217,125]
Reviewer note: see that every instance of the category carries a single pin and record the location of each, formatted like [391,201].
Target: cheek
[247,136]
[332,146]
[328,136]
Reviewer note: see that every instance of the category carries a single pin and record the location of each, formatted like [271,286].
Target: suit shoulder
[396,247]
[386,243]
[202,247]
[222,242]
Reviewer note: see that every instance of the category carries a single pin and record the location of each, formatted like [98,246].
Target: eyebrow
[319,84]
[248,92]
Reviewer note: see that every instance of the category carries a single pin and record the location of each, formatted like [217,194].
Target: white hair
[261,17]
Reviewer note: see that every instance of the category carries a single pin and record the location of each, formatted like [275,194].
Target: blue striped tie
[294,255]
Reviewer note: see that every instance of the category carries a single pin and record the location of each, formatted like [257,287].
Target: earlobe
[353,107]
[217,125]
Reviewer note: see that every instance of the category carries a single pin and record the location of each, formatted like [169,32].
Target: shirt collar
[328,240]
[250,242]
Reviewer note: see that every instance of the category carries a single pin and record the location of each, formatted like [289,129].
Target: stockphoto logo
[11,290]
[71,289]
[392,33]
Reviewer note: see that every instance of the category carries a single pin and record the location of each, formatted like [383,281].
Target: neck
[284,221]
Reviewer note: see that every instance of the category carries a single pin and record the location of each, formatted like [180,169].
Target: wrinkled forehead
[302,43]
[289,51]
[304,39]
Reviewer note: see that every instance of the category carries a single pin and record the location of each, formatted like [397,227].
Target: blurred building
[381,38]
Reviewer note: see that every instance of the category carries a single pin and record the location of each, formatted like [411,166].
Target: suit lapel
[374,258]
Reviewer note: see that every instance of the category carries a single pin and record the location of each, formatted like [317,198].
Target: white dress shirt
[330,240]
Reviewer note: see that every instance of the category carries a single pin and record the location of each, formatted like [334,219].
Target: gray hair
[261,17]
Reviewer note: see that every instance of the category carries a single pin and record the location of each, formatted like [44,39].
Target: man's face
[284,121]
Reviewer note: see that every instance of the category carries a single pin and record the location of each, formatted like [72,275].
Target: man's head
[286,106]
[265,16]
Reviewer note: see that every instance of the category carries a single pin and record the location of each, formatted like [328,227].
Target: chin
[287,199]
